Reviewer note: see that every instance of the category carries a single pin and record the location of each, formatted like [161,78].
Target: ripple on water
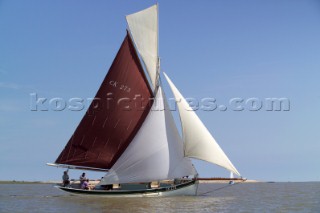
[249,197]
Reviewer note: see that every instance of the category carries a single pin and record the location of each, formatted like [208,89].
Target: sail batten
[198,142]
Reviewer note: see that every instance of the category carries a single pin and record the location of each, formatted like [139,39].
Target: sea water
[245,197]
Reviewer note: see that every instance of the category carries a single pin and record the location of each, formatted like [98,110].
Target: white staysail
[198,142]
[231,175]
[156,152]
[143,27]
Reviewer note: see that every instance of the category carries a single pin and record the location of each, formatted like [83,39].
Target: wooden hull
[184,189]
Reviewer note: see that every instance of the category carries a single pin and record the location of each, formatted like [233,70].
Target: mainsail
[156,152]
[198,142]
[143,26]
[114,117]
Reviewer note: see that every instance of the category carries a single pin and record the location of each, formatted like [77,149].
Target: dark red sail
[114,117]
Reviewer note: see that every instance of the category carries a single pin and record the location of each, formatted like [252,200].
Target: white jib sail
[143,27]
[198,142]
[156,152]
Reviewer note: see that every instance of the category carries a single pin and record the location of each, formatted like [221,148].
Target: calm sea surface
[245,197]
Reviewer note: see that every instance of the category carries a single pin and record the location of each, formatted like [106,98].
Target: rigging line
[158,80]
[220,188]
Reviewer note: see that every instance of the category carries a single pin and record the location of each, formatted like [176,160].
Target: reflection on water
[248,197]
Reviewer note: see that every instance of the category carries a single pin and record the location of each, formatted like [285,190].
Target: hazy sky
[218,49]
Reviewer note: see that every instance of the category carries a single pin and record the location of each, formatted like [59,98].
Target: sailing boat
[129,132]
[231,178]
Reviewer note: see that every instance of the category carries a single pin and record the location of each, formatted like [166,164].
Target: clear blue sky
[219,49]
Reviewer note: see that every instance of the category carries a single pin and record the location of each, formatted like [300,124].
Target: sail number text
[117,84]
